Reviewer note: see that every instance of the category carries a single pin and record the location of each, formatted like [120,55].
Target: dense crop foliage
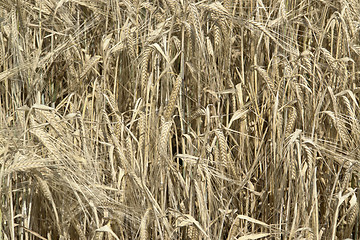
[179,119]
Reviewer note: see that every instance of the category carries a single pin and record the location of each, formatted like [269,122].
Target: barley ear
[144,68]
[144,224]
[234,228]
[351,214]
[291,121]
[193,232]
[165,130]
[174,94]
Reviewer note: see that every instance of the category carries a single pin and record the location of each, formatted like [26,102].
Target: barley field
[179,119]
